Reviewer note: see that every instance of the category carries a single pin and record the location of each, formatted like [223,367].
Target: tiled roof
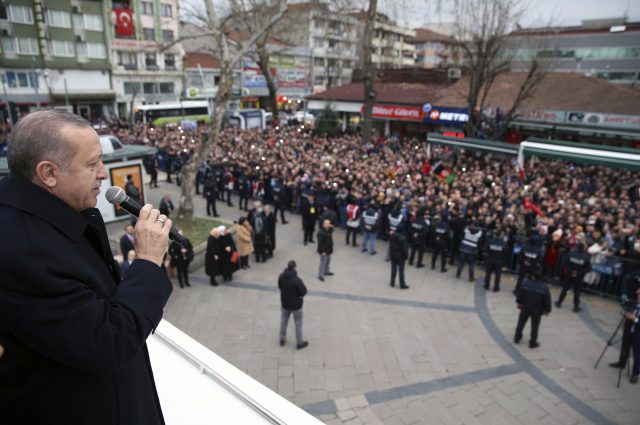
[206,60]
[399,93]
[423,35]
[565,91]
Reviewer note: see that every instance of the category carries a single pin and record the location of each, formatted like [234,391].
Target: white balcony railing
[197,387]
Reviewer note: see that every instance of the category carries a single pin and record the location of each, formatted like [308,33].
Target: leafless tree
[482,31]
[368,71]
[230,53]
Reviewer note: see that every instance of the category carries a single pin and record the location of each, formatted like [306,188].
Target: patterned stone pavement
[438,353]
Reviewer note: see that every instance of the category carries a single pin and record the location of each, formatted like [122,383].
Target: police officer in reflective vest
[441,236]
[418,231]
[395,219]
[495,255]
[469,249]
[577,264]
[533,300]
[530,261]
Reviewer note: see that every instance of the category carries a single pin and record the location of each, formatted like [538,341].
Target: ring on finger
[160,220]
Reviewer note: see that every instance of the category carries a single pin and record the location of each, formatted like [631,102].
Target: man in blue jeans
[292,290]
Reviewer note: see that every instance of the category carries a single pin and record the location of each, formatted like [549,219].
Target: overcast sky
[562,12]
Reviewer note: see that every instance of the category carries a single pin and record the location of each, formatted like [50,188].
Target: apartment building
[392,44]
[146,66]
[330,38]
[55,53]
[435,50]
[604,48]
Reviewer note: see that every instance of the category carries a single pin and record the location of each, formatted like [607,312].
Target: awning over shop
[74,97]
[579,129]
[470,143]
[586,154]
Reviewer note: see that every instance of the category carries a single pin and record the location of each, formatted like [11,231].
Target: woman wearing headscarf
[227,267]
[245,243]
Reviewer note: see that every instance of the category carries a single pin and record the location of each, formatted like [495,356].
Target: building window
[131,88]
[147,8]
[148,34]
[8,45]
[127,60]
[346,64]
[59,18]
[62,48]
[318,61]
[21,79]
[150,60]
[318,81]
[169,61]
[93,22]
[166,88]
[167,35]
[87,22]
[20,14]
[166,10]
[96,51]
[149,88]
[28,46]
[4,15]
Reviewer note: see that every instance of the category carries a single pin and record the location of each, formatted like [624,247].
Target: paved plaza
[438,353]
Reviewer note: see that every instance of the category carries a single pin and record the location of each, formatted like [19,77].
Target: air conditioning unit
[454,73]
[79,39]
[6,33]
[76,9]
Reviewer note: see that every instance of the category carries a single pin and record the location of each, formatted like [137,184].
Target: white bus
[164,113]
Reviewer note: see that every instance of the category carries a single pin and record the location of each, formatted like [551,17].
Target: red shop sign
[396,112]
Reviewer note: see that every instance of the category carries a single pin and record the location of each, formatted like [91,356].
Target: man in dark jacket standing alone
[292,290]
[533,300]
[325,248]
[398,253]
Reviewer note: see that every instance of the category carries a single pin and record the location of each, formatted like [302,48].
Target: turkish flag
[124,21]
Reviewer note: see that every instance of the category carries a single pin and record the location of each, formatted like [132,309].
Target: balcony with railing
[196,386]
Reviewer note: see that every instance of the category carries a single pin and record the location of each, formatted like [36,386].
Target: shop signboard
[456,117]
[397,112]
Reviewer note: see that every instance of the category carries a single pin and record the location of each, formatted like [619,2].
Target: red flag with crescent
[124,21]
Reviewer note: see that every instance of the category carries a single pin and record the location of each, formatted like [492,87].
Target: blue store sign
[445,116]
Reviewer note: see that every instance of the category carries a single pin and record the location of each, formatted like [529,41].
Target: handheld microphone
[116,196]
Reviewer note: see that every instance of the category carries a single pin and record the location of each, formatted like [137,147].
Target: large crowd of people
[559,203]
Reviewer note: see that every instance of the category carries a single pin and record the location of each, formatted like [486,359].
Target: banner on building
[445,116]
[124,21]
[396,112]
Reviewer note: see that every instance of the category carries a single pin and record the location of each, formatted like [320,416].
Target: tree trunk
[263,63]
[369,74]
[199,156]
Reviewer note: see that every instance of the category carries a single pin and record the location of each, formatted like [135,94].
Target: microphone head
[115,195]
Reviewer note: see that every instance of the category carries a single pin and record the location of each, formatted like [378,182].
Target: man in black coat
[73,332]
[398,254]
[418,231]
[325,249]
[496,253]
[577,264]
[271,222]
[126,241]
[309,214]
[533,300]
[181,256]
[292,290]
[210,193]
[441,238]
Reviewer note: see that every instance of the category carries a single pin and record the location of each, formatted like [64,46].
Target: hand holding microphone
[152,229]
